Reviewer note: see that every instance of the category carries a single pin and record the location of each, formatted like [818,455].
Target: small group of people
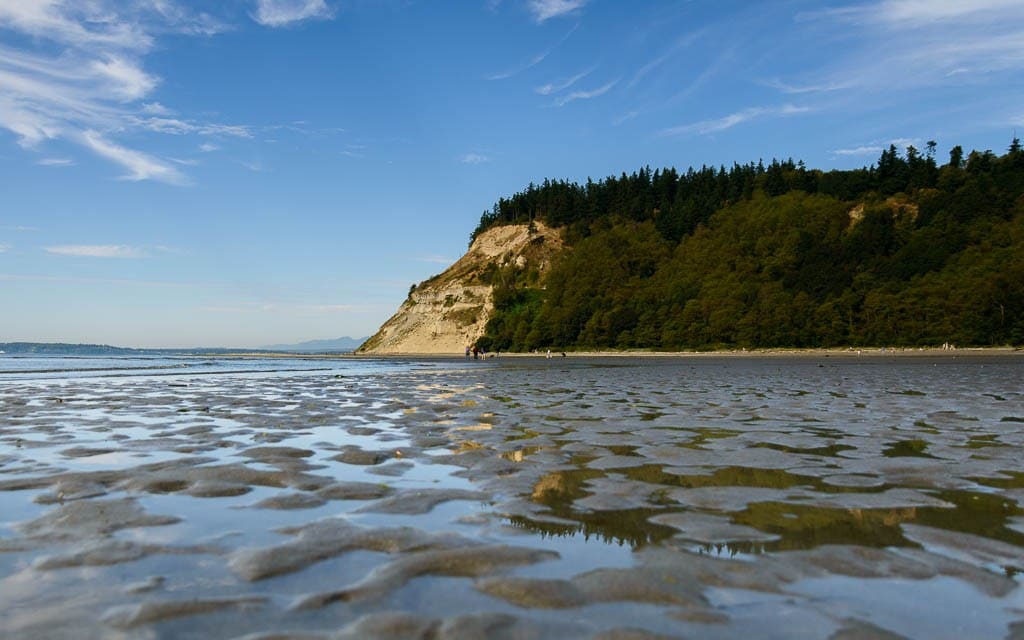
[478,353]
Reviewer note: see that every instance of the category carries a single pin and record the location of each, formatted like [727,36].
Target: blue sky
[257,171]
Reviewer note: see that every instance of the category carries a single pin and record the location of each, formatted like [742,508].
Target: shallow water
[687,497]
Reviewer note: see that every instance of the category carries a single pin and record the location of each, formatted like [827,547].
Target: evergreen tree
[956,157]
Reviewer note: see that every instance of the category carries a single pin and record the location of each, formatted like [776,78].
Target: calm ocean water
[16,367]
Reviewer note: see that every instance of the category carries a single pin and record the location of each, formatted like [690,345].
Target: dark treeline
[903,253]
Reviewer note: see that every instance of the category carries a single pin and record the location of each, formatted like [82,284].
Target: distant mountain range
[344,343]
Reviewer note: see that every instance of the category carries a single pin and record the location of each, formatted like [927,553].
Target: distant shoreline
[846,352]
[869,352]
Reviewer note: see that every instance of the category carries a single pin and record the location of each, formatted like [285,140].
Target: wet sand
[712,497]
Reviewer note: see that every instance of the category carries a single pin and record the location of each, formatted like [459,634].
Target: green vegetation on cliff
[902,253]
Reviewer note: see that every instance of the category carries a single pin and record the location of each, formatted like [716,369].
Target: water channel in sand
[706,497]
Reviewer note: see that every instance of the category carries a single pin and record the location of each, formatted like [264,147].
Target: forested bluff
[902,253]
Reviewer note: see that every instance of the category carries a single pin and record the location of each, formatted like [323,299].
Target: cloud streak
[534,61]
[140,166]
[56,162]
[873,148]
[556,87]
[585,95]
[474,158]
[175,126]
[926,43]
[283,13]
[544,10]
[918,13]
[97,251]
[673,50]
[862,150]
[705,127]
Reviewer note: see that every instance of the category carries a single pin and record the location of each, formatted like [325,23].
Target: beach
[823,495]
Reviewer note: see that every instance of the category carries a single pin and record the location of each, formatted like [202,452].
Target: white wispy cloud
[508,73]
[256,166]
[705,127]
[123,78]
[140,166]
[78,75]
[156,109]
[862,150]
[562,85]
[208,147]
[907,44]
[626,117]
[176,126]
[97,251]
[585,95]
[811,88]
[474,158]
[281,13]
[920,12]
[534,61]
[81,24]
[55,162]
[717,67]
[4,247]
[543,10]
[673,50]
[874,148]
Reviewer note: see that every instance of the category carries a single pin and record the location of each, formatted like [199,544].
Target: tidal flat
[829,497]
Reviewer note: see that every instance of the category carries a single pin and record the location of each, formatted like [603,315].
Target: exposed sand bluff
[447,313]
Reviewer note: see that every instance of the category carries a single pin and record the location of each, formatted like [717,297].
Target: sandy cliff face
[447,313]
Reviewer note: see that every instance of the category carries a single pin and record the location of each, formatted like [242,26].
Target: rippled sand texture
[562,498]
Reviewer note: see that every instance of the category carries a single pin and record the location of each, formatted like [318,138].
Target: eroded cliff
[447,313]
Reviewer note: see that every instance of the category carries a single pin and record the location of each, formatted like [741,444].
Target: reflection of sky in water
[337,435]
[112,460]
[938,608]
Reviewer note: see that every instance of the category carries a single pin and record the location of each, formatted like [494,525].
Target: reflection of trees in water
[805,527]
[629,526]
[981,514]
[732,549]
[798,526]
[559,490]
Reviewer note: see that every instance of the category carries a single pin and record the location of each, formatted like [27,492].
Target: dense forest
[902,253]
